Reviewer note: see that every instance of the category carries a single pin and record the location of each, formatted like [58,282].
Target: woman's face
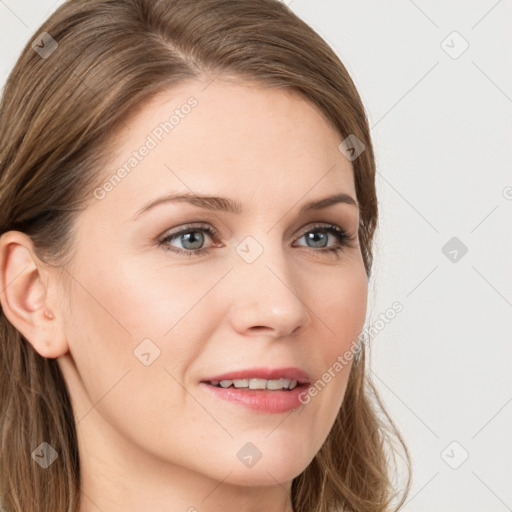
[148,320]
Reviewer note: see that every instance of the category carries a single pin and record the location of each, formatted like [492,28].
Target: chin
[261,476]
[276,466]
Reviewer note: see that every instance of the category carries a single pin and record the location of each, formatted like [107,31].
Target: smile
[272,384]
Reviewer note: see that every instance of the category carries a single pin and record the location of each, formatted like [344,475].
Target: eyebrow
[223,204]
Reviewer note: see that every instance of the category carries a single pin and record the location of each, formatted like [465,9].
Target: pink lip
[291,373]
[262,400]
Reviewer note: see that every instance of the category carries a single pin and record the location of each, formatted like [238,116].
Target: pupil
[315,235]
[193,235]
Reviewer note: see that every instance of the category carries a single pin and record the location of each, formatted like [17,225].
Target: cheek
[129,368]
[132,300]
[129,317]
[343,309]
[340,313]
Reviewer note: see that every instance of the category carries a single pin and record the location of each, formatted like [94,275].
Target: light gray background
[442,130]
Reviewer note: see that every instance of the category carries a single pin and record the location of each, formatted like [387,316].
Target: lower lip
[260,400]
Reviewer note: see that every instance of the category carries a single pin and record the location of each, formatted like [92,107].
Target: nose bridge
[267,293]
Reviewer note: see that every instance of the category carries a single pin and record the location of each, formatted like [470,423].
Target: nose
[267,296]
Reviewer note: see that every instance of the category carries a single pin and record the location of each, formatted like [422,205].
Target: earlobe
[25,297]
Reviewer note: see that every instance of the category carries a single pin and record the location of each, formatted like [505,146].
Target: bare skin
[150,436]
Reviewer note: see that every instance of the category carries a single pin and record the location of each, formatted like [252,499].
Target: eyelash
[345,240]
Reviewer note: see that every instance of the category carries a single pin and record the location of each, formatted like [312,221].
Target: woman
[188,207]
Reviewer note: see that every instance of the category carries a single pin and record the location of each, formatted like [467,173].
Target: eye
[192,239]
[320,242]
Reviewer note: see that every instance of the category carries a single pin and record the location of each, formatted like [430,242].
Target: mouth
[265,390]
[255,384]
[262,378]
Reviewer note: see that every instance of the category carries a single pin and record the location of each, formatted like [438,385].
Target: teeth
[257,384]
[273,384]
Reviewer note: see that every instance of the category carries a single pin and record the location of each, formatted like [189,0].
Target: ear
[27,291]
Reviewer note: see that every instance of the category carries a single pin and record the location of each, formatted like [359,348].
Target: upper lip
[291,373]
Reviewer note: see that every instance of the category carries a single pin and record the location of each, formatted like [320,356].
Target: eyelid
[348,238]
[189,227]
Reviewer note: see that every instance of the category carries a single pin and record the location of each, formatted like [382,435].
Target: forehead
[241,139]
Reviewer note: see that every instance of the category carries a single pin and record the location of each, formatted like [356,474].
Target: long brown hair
[70,89]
